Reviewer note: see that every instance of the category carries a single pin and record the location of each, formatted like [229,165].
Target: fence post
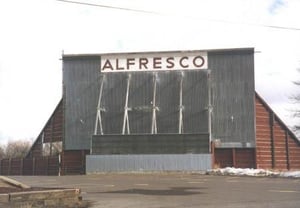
[33,166]
[47,168]
[59,164]
[272,121]
[287,151]
[212,154]
[233,152]
[9,166]
[82,162]
[21,166]
[1,167]
[62,163]
[255,157]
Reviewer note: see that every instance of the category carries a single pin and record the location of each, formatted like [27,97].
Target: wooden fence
[71,162]
[30,166]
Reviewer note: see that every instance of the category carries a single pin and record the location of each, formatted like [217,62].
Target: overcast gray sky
[34,33]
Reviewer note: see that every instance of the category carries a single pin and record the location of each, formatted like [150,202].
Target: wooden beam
[213,154]
[33,166]
[272,138]
[9,166]
[21,166]
[233,157]
[287,151]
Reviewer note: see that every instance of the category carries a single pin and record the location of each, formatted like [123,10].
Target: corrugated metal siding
[81,90]
[195,102]
[151,144]
[232,78]
[188,162]
[81,80]
[232,89]
[113,102]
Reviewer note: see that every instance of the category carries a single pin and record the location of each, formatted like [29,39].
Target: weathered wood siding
[73,162]
[30,166]
[52,132]
[276,146]
[234,157]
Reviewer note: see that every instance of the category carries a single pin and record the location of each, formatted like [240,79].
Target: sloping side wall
[52,132]
[276,146]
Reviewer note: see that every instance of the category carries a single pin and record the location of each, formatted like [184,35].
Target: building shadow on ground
[173,191]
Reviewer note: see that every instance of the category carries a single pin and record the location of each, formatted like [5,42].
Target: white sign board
[153,61]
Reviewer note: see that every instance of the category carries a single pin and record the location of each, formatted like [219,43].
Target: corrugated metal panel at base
[172,162]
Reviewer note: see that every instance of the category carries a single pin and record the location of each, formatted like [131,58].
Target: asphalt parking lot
[176,190]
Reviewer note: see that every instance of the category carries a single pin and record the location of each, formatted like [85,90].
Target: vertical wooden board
[15,166]
[294,153]
[53,165]
[41,166]
[263,141]
[4,167]
[27,166]
[73,162]
[245,157]
[281,148]
[223,157]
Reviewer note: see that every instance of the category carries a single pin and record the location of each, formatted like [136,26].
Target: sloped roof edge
[38,137]
[289,131]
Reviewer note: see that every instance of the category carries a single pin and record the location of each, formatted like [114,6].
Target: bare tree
[16,149]
[296,100]
[2,152]
[52,149]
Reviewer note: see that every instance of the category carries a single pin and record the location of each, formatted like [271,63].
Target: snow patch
[252,172]
[291,174]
